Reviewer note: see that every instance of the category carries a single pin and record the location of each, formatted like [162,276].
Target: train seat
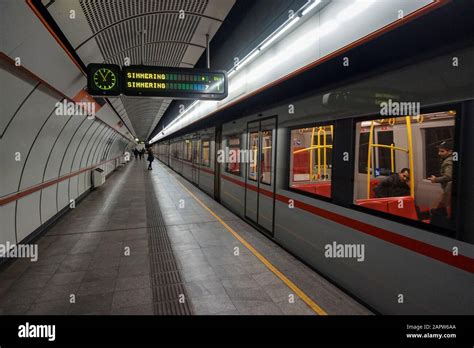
[379,204]
[373,184]
[320,188]
[391,205]
[323,189]
[407,209]
[300,162]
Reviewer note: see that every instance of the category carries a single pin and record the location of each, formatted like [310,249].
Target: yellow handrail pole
[369,164]
[311,155]
[410,155]
[325,153]
[392,160]
[320,130]
[314,148]
[389,146]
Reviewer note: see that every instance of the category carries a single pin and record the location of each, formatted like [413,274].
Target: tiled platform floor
[82,257]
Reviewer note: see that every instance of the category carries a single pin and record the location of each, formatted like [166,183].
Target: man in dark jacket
[441,208]
[150,158]
[394,185]
[445,152]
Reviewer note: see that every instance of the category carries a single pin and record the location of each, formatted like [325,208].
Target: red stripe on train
[462,262]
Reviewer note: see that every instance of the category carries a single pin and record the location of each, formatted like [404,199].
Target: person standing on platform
[150,158]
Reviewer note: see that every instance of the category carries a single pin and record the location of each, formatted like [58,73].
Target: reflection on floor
[83,267]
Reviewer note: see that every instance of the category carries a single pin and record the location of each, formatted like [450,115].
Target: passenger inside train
[397,163]
[394,185]
[411,143]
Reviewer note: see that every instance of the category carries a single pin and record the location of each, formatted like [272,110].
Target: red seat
[373,184]
[324,189]
[321,188]
[403,206]
[392,205]
[375,204]
[300,161]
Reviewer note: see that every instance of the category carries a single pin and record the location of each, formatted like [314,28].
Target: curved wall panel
[17,92]
[46,157]
[75,164]
[20,135]
[38,156]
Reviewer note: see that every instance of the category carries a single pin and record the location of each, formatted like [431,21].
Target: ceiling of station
[109,32]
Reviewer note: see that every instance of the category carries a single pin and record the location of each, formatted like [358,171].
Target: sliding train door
[260,173]
[196,160]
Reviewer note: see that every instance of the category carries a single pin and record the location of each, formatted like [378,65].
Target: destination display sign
[178,83]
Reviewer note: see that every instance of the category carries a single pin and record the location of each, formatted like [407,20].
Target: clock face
[105,79]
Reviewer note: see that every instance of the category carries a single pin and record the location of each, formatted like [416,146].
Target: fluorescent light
[311,7]
[281,32]
[247,59]
[182,114]
[353,10]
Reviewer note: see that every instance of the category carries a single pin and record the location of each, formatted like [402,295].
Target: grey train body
[393,277]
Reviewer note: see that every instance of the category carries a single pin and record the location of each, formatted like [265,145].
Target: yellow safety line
[267,263]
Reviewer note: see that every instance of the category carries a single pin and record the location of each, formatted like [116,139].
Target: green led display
[178,83]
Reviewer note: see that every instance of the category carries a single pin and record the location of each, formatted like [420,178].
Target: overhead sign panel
[176,83]
[104,80]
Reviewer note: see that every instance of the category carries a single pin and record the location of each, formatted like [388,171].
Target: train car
[371,168]
[193,156]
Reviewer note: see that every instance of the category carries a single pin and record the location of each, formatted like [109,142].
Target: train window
[233,166]
[206,151]
[266,158]
[311,159]
[174,150]
[413,177]
[188,154]
[253,169]
[197,151]
[179,149]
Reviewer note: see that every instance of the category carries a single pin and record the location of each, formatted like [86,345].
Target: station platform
[151,243]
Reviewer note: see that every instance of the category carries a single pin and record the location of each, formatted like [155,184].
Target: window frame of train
[290,180]
[208,147]
[234,147]
[188,152]
[450,231]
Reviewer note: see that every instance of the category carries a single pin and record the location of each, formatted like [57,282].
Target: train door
[260,173]
[196,160]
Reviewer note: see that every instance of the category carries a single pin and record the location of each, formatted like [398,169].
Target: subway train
[305,172]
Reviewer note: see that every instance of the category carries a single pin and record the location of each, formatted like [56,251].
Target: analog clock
[105,79]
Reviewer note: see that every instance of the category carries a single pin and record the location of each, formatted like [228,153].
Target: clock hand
[108,72]
[100,72]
